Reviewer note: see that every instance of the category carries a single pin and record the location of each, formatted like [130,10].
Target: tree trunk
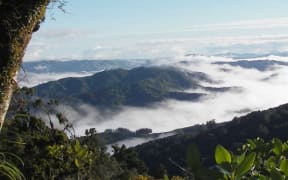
[18,18]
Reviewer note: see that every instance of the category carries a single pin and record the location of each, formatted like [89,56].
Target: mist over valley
[210,87]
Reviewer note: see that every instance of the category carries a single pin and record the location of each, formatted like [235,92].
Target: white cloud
[244,36]
[177,47]
[35,50]
[29,79]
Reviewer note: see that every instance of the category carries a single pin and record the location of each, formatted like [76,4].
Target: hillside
[136,87]
[261,65]
[266,124]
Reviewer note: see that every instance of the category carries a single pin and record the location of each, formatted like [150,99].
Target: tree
[18,20]
[143,131]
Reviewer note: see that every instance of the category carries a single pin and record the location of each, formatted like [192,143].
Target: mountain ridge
[266,124]
[137,87]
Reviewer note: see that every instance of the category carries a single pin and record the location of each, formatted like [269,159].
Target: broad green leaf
[277,146]
[246,165]
[193,157]
[222,155]
[271,162]
[284,166]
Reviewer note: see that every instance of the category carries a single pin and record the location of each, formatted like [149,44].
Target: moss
[16,30]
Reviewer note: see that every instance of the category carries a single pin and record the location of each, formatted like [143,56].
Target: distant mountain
[268,124]
[79,66]
[252,55]
[136,87]
[261,65]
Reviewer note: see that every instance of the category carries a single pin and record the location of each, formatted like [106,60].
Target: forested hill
[261,65]
[266,124]
[136,87]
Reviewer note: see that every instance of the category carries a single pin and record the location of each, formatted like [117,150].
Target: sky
[109,29]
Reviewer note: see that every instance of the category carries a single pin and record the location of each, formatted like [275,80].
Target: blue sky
[104,29]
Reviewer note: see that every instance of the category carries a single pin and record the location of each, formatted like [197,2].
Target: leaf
[251,143]
[261,177]
[246,165]
[193,157]
[239,159]
[285,147]
[222,170]
[10,171]
[77,146]
[76,163]
[222,155]
[284,166]
[271,162]
[277,146]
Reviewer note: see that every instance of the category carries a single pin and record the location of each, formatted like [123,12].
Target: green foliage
[230,134]
[137,87]
[72,157]
[232,166]
[222,156]
[128,160]
[8,169]
[47,153]
[256,160]
[271,160]
[196,170]
[245,164]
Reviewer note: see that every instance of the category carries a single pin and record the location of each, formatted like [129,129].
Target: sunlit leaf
[284,166]
[246,165]
[222,155]
[277,146]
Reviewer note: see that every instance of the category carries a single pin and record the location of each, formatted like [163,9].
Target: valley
[169,94]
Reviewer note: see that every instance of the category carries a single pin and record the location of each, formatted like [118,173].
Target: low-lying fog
[260,90]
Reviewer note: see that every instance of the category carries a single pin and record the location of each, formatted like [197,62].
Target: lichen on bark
[17,21]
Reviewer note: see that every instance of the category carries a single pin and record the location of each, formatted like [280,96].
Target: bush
[255,160]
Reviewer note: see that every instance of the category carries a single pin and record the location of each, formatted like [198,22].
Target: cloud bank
[253,36]
[260,90]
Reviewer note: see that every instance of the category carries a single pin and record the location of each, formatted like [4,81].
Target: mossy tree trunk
[18,18]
